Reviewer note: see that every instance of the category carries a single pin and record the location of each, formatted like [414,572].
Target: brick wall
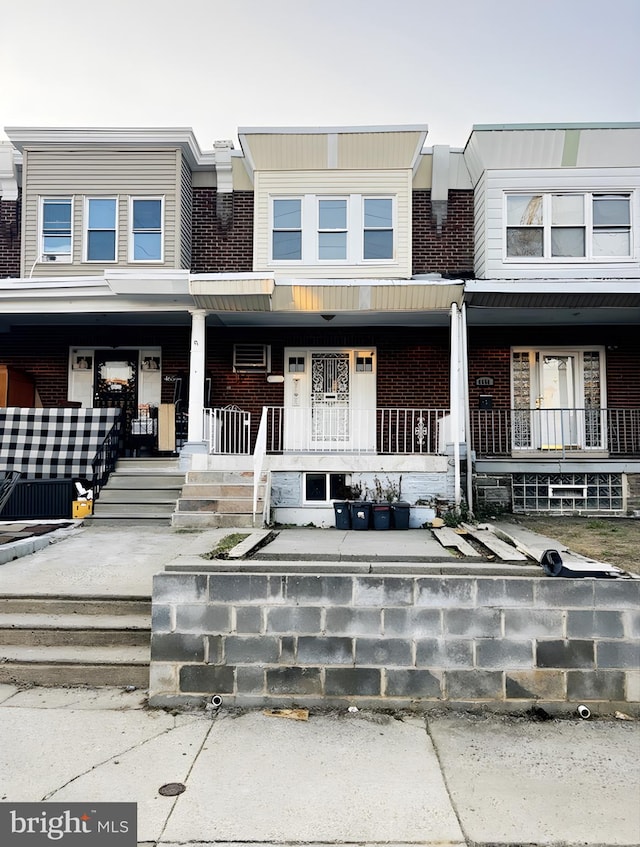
[9,239]
[402,642]
[216,249]
[449,252]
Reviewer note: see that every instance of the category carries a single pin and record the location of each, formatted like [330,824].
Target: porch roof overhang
[232,292]
[543,301]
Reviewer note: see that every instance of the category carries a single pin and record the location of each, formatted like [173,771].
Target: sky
[216,65]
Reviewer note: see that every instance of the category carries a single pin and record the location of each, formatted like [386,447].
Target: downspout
[467,405]
[455,400]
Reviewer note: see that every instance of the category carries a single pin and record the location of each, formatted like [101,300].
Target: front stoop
[75,641]
[218,499]
[140,489]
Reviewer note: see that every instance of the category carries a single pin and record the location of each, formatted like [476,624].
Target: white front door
[557,398]
[329,400]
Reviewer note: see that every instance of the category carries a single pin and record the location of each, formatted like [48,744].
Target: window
[568,226]
[56,239]
[332,229]
[378,228]
[287,229]
[323,487]
[100,223]
[318,230]
[146,229]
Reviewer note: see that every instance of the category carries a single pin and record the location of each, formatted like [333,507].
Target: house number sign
[484,381]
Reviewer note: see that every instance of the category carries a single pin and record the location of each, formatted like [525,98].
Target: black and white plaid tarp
[49,443]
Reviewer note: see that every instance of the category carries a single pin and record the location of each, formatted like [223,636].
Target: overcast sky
[215,65]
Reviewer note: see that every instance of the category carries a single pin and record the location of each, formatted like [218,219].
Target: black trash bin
[360,515]
[343,515]
[381,515]
[400,512]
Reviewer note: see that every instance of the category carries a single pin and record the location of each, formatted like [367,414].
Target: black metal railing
[503,432]
[105,459]
[8,482]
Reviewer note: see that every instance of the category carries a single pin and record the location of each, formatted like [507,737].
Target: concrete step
[146,482]
[75,665]
[111,607]
[198,520]
[75,640]
[82,630]
[149,465]
[229,506]
[130,509]
[137,495]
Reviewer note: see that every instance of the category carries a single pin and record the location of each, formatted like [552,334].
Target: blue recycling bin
[342,513]
[360,515]
[381,513]
[400,513]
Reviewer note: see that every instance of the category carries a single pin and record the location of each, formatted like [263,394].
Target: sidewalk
[365,778]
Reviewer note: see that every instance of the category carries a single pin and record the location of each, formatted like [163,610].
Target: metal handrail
[8,483]
[105,459]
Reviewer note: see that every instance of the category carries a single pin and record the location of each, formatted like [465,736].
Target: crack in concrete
[110,759]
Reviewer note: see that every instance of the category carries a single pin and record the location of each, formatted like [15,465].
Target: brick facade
[450,252]
[9,239]
[217,248]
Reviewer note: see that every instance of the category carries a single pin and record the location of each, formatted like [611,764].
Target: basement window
[324,487]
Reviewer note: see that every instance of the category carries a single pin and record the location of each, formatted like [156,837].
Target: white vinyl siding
[395,184]
[491,262]
[81,173]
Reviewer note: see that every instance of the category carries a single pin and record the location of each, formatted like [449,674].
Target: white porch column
[454,396]
[195,435]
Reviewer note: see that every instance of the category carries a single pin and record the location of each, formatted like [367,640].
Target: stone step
[214,490]
[231,506]
[75,665]
[112,607]
[220,477]
[82,630]
[199,520]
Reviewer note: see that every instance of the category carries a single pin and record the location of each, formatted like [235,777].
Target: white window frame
[87,229]
[310,224]
[273,228]
[547,228]
[60,258]
[132,232]
[327,475]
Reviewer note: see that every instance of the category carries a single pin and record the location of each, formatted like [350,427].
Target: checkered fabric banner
[50,443]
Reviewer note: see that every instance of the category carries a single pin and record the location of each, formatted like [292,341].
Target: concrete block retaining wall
[411,641]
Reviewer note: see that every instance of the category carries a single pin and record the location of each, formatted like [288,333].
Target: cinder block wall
[393,641]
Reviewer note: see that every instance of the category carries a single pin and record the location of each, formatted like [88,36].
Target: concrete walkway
[338,778]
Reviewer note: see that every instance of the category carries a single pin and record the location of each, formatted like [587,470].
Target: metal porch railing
[504,432]
[228,431]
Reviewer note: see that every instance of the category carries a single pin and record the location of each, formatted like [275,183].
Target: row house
[336,309]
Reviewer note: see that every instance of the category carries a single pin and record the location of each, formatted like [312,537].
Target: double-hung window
[100,222]
[316,229]
[287,229]
[146,233]
[378,228]
[56,230]
[568,226]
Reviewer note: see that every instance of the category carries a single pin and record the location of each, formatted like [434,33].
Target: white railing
[228,431]
[259,453]
[337,429]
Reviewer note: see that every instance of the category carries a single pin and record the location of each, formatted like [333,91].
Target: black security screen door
[116,383]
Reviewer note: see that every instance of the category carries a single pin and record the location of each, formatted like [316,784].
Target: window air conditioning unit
[249,358]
